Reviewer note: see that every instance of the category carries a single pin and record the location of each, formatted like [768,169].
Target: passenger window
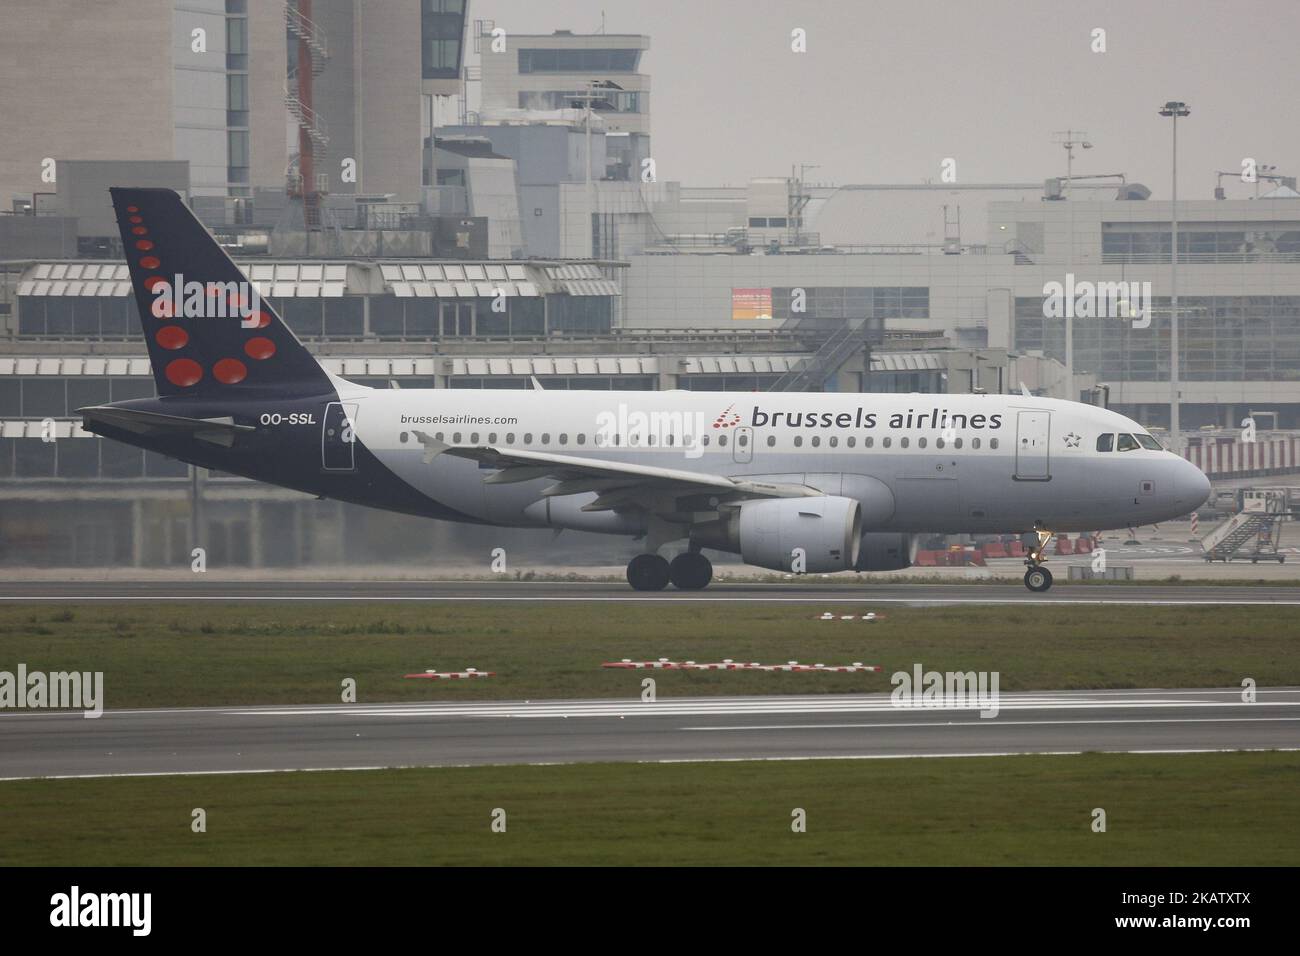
[722,439]
[582,439]
[564,439]
[993,443]
[798,441]
[473,438]
[741,440]
[546,438]
[816,441]
[853,441]
[510,438]
[938,443]
[920,442]
[906,441]
[1149,442]
[492,438]
[1106,442]
[956,443]
[438,436]
[528,438]
[834,441]
[887,441]
[704,440]
[975,443]
[1127,443]
[771,440]
[455,438]
[868,442]
[668,439]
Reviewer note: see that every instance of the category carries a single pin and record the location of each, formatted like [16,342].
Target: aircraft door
[742,445]
[1033,431]
[338,443]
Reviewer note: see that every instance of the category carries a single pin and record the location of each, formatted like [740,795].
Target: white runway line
[662,760]
[1028,599]
[997,722]
[721,706]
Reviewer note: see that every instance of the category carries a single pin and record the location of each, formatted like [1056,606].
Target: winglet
[1024,391]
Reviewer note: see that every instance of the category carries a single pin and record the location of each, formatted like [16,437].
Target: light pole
[1067,139]
[1174,109]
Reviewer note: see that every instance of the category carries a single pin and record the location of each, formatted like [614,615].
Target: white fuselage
[951,463]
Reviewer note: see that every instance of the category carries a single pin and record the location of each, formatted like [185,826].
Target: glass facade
[579,61]
[851,302]
[615,101]
[1221,338]
[1201,242]
[237,136]
[442,34]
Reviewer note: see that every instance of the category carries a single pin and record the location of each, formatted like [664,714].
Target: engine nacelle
[827,530]
[886,551]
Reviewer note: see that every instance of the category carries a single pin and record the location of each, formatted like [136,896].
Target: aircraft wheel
[1038,579]
[690,572]
[647,572]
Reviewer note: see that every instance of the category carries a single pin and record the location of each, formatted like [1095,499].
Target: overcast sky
[888,88]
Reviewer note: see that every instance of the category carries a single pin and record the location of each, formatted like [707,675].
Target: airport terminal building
[525,242]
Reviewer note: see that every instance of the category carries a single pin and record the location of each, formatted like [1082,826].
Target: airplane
[792,482]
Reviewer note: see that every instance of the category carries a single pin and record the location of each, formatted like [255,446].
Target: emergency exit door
[742,446]
[1033,431]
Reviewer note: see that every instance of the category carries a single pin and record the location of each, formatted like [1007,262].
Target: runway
[274,738]
[838,592]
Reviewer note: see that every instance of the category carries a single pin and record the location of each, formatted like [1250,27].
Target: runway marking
[995,722]
[991,753]
[634,599]
[725,706]
[662,760]
[1136,696]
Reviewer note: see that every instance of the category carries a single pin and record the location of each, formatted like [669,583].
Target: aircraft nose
[1191,487]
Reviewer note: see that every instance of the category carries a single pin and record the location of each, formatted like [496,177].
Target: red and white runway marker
[467,674]
[727,664]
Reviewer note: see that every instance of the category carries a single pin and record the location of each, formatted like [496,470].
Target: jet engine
[816,535]
[886,551]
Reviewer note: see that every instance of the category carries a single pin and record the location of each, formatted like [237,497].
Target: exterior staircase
[309,120]
[1247,534]
[837,348]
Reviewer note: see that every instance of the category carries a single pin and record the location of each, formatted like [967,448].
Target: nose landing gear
[1038,578]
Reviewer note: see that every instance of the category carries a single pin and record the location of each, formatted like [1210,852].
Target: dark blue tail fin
[208,331]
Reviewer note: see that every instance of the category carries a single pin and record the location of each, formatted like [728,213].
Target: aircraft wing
[616,483]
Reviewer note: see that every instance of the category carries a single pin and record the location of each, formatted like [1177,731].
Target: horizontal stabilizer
[218,431]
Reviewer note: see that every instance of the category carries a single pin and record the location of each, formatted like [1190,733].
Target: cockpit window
[1127,443]
[1106,442]
[1147,441]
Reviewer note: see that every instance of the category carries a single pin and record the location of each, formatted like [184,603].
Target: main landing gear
[1038,578]
[689,571]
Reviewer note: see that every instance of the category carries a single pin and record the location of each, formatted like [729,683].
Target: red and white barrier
[466,674]
[729,665]
[1220,458]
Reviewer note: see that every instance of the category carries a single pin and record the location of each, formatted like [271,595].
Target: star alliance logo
[1072,440]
